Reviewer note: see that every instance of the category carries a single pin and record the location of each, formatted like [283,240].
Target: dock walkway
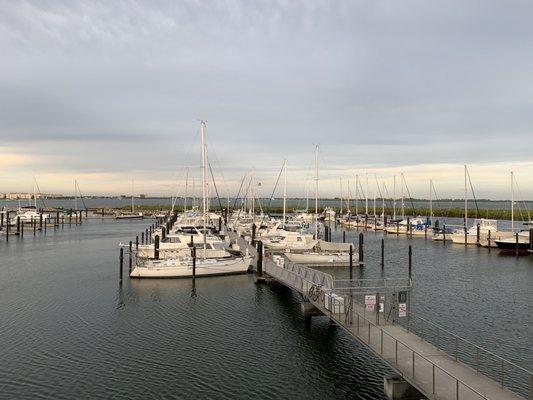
[434,372]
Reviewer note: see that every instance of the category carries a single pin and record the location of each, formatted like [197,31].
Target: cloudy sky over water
[106,91]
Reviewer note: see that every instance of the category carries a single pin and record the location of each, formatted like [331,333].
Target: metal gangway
[438,363]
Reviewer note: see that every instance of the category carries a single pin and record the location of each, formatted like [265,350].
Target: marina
[293,200]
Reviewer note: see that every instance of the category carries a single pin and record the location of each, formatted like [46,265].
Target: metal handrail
[470,343]
[370,323]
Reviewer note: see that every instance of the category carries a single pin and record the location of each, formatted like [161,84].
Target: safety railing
[507,373]
[423,373]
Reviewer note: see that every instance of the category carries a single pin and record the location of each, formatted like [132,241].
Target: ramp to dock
[431,369]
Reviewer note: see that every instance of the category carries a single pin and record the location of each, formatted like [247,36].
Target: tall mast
[76,195]
[186,189]
[512,202]
[132,205]
[316,191]
[348,196]
[466,201]
[394,199]
[366,195]
[356,195]
[340,181]
[204,182]
[284,191]
[307,199]
[402,180]
[253,196]
[430,202]
[383,201]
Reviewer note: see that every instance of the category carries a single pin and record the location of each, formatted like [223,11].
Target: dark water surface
[68,331]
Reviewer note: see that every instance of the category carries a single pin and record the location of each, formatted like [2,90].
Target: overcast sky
[104,92]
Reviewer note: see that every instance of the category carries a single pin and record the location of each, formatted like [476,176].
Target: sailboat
[182,267]
[30,213]
[131,214]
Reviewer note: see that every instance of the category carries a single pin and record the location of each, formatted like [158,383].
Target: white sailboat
[182,267]
[131,214]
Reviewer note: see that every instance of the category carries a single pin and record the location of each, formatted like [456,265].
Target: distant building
[142,196]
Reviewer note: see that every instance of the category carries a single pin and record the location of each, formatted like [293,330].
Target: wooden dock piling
[259,267]
[121,264]
[193,254]
[382,253]
[129,258]
[410,261]
[156,247]
[361,243]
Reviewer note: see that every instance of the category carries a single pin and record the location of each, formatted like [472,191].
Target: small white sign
[381,303]
[402,310]
[370,300]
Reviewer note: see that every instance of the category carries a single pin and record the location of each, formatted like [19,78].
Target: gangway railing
[507,373]
[424,373]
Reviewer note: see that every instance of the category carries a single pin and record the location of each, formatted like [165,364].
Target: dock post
[351,258]
[136,242]
[488,239]
[86,214]
[193,254]
[142,237]
[259,267]
[466,235]
[219,224]
[18,226]
[22,230]
[163,233]
[45,223]
[343,236]
[70,218]
[156,247]
[443,234]
[478,235]
[129,260]
[426,231]
[57,218]
[410,262]
[361,243]
[7,227]
[62,221]
[121,262]
[397,228]
[408,225]
[34,223]
[516,243]
[253,233]
[382,253]
[531,249]
[366,221]
[385,223]
[1,221]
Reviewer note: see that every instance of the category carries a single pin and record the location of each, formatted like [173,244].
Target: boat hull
[184,269]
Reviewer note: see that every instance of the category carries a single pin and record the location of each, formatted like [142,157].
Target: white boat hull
[184,269]
[320,258]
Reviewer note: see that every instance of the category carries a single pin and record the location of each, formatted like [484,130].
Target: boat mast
[512,202]
[132,205]
[394,199]
[348,196]
[340,181]
[316,191]
[253,196]
[430,202]
[466,201]
[356,196]
[383,201]
[401,186]
[366,195]
[284,191]
[186,189]
[204,182]
[76,195]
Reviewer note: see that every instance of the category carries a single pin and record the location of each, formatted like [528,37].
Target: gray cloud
[377,84]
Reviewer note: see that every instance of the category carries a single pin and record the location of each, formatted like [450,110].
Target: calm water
[69,331]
